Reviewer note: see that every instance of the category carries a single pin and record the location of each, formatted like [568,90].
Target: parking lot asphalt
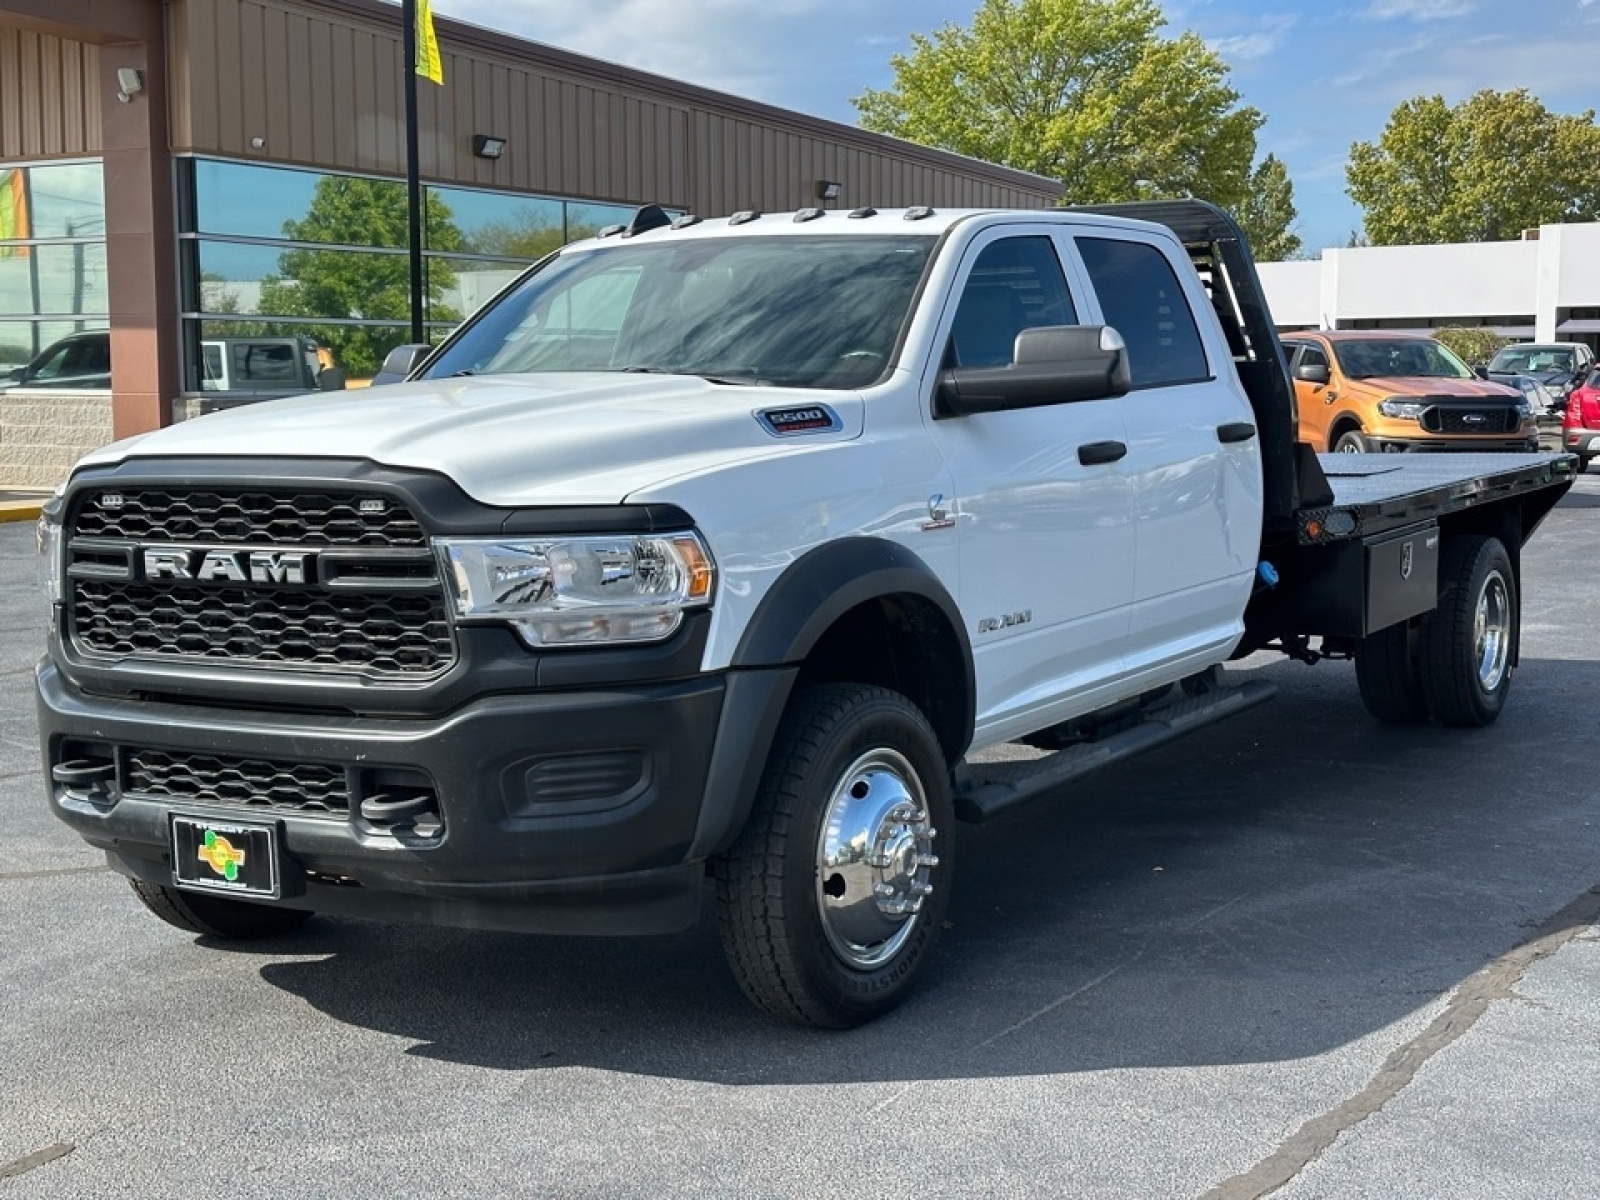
[1299,954]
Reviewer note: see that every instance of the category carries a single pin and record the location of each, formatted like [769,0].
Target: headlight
[1403,410]
[1524,408]
[573,591]
[51,546]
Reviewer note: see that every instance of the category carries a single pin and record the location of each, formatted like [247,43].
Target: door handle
[1093,453]
[1235,431]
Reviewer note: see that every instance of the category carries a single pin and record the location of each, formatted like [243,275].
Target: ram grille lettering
[226,566]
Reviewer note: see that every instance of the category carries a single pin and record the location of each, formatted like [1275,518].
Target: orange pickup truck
[1364,390]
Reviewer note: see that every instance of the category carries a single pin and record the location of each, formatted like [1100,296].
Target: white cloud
[1418,10]
[1267,39]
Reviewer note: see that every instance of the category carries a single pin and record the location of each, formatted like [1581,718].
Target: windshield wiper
[735,380]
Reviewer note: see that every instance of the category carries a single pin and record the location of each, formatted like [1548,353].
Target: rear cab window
[1142,299]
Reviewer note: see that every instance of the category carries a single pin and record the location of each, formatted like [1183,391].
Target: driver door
[1044,507]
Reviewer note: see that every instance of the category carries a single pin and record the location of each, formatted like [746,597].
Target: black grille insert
[369,605]
[268,518]
[401,635]
[1471,420]
[305,788]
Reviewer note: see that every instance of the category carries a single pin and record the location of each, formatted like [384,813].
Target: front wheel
[832,895]
[216,916]
[1465,646]
[1351,441]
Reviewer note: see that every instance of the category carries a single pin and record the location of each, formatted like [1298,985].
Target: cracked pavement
[1298,954]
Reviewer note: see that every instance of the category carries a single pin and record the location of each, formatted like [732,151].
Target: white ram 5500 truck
[724,547]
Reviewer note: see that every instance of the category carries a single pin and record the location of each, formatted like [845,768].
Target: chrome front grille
[305,788]
[286,580]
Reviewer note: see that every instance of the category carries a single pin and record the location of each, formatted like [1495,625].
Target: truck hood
[514,440]
[1431,385]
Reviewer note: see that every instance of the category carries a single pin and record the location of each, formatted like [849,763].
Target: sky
[1324,75]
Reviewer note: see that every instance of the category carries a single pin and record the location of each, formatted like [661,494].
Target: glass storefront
[313,266]
[52,257]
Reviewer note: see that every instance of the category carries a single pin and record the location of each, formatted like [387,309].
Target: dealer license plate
[225,856]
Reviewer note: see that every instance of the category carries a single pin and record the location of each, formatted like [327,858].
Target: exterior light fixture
[827,189]
[129,82]
[486,146]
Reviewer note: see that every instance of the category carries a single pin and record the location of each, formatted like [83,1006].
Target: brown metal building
[176,171]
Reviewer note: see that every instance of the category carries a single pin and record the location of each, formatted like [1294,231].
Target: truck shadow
[1285,883]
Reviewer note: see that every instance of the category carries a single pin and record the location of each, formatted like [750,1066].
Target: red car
[1580,424]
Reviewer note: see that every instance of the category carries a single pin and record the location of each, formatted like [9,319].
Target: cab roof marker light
[808,214]
[610,231]
[744,217]
[920,212]
[858,214]
[687,220]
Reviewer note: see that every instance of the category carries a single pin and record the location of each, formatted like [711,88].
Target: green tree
[1084,91]
[343,283]
[1268,213]
[1470,343]
[1481,171]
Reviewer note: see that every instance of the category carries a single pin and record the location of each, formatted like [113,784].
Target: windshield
[1534,360]
[814,312]
[1410,358]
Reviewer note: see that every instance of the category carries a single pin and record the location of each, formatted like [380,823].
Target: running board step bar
[985,790]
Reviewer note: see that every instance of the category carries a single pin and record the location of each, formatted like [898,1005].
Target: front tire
[1465,646]
[832,895]
[1352,441]
[216,916]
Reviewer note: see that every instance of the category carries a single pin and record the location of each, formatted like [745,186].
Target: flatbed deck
[1389,491]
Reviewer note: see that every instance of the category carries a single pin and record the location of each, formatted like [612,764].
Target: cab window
[1140,298]
[1016,284]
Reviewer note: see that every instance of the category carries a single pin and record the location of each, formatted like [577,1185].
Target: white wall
[1517,282]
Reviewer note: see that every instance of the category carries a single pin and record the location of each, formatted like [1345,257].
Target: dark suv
[79,360]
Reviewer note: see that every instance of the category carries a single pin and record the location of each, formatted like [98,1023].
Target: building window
[52,257]
[273,254]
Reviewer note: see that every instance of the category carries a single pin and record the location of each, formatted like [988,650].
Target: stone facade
[44,431]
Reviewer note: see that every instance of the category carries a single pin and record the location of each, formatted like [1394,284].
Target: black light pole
[408,9]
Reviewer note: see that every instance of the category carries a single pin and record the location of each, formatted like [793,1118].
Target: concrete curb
[20,510]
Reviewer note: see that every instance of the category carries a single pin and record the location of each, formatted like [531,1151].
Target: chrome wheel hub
[1491,632]
[874,859]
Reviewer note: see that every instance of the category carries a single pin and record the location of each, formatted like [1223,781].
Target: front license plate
[221,856]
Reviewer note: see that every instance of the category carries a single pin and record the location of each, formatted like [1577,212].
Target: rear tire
[1352,441]
[1465,646]
[1390,677]
[217,916]
[1583,465]
[831,897]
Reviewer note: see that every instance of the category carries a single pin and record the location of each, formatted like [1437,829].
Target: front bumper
[1520,444]
[579,811]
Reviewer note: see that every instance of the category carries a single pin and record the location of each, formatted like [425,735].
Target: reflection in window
[492,225]
[1140,297]
[276,251]
[52,256]
[818,312]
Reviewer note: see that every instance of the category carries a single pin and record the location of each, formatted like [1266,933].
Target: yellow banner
[13,212]
[430,64]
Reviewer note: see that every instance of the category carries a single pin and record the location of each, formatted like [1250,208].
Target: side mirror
[16,374]
[330,379]
[1316,373]
[401,361]
[1051,364]
[1481,370]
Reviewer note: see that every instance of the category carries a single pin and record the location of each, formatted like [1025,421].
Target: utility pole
[408,10]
